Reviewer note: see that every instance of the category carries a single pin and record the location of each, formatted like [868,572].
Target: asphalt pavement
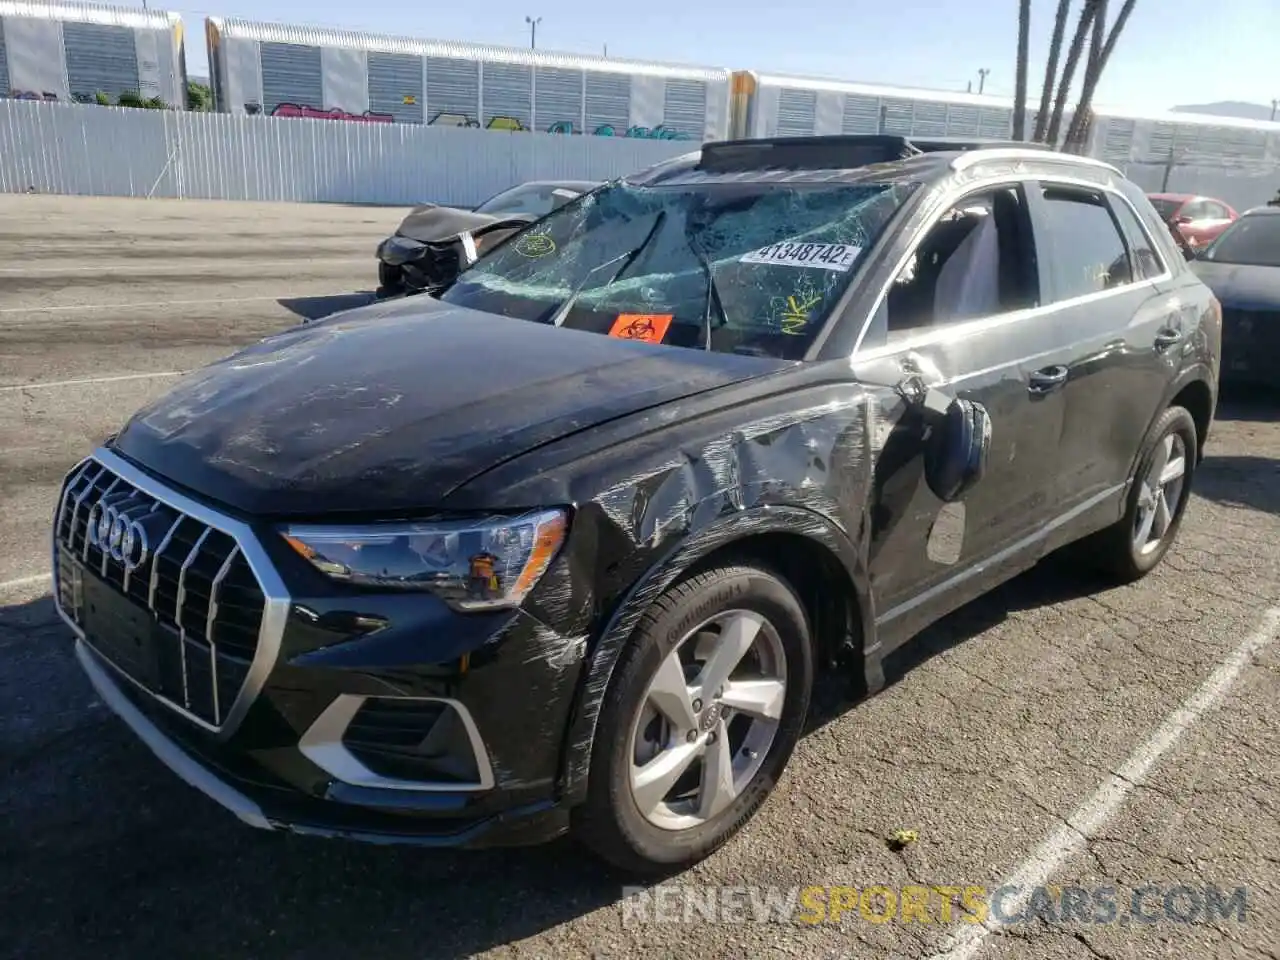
[1054,734]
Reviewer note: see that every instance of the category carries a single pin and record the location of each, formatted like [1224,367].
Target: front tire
[390,281]
[1157,500]
[705,709]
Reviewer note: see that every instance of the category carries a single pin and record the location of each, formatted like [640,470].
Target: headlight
[470,564]
[400,250]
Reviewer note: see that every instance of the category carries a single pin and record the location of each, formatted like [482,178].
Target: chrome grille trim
[81,482]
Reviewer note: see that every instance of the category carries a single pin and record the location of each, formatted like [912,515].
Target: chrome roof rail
[968,159]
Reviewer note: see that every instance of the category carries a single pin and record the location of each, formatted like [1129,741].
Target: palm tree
[1069,70]
[1098,63]
[1051,69]
[1081,115]
[1020,82]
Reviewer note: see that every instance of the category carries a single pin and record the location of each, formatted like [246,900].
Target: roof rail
[965,144]
[1032,151]
[840,151]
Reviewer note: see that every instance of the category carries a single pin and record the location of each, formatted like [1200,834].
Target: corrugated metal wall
[112,151]
[100,58]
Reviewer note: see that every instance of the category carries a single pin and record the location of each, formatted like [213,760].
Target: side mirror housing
[957,449]
[958,442]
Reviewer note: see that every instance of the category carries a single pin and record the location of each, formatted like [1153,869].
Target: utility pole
[982,78]
[1169,164]
[533,31]
[606,51]
[1274,105]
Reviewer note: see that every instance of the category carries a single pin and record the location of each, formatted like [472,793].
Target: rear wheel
[704,711]
[1161,489]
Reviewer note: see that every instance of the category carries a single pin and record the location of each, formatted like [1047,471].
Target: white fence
[91,150]
[114,151]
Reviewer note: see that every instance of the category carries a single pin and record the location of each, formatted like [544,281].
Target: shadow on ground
[317,308]
[1241,481]
[1248,404]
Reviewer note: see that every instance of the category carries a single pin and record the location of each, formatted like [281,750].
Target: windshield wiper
[713,292]
[630,258]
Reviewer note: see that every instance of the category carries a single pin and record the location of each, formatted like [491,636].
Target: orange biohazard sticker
[649,327]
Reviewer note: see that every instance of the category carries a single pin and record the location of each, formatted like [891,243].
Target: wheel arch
[1196,396]
[803,547]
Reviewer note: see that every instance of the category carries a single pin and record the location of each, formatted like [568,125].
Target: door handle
[1167,337]
[1048,379]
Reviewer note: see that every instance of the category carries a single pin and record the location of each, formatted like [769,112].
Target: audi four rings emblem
[119,535]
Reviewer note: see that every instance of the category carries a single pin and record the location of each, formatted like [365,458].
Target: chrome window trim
[322,745]
[961,331]
[276,597]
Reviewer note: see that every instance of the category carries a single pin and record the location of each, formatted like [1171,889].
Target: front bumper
[530,824]
[268,732]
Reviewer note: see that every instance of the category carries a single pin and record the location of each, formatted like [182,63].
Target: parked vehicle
[1242,268]
[1198,219]
[433,243]
[565,548]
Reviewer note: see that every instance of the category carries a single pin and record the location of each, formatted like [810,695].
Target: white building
[75,51]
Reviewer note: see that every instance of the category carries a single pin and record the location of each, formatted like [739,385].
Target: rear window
[634,262]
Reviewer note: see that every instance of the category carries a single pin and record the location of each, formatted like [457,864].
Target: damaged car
[567,548]
[433,244]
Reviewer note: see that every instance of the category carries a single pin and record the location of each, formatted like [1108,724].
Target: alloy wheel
[1160,494]
[707,720]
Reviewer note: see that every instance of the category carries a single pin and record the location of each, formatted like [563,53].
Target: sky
[1172,51]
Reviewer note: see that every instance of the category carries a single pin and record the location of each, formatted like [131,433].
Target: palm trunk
[1020,93]
[1051,69]
[1077,131]
[1091,86]
[1069,71]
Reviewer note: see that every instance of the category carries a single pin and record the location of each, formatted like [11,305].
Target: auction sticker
[649,327]
[823,256]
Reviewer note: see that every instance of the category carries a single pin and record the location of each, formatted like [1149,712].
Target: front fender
[604,655]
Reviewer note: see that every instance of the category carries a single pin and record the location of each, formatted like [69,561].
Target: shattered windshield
[742,267]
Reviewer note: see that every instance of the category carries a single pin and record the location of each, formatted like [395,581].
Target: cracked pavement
[998,723]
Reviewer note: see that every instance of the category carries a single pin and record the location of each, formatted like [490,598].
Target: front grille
[205,604]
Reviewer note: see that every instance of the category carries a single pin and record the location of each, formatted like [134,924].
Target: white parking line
[1084,822]
[25,581]
[151,304]
[43,384]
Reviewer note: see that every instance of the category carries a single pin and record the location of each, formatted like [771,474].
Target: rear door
[1122,332]
[962,314]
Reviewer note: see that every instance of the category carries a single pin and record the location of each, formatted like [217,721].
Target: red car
[1198,219]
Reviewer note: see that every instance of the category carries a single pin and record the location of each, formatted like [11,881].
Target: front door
[962,314]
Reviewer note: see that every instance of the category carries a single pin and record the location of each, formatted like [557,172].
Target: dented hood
[429,224]
[391,407]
